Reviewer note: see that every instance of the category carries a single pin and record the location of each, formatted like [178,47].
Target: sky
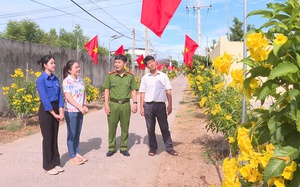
[115,17]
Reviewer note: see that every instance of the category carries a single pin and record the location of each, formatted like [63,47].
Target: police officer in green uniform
[120,86]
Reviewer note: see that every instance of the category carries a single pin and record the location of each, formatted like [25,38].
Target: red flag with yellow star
[120,51]
[92,49]
[141,62]
[189,49]
[156,14]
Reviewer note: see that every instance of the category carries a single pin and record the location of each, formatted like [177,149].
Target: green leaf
[259,71]
[282,131]
[248,61]
[272,123]
[274,23]
[281,17]
[296,178]
[286,151]
[276,49]
[282,69]
[262,135]
[274,168]
[298,121]
[278,100]
[298,59]
[293,93]
[292,138]
[266,89]
[264,13]
[293,77]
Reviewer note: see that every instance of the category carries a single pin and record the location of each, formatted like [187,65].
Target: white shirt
[76,89]
[155,86]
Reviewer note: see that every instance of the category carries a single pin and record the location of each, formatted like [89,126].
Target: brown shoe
[76,161]
[81,157]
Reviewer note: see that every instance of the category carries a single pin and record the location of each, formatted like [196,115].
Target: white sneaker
[59,169]
[52,171]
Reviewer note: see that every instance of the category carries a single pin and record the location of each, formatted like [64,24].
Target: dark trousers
[49,129]
[153,111]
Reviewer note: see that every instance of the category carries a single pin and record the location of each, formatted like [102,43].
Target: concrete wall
[18,54]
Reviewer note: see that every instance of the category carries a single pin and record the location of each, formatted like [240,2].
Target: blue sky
[123,16]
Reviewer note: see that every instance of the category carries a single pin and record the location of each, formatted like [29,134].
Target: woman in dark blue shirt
[49,114]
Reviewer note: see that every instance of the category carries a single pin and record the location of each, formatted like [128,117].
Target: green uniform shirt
[120,87]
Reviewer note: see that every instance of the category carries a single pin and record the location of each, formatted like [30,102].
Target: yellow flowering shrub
[92,93]
[22,96]
[208,85]
[267,146]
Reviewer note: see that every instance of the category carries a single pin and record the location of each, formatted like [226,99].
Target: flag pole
[133,51]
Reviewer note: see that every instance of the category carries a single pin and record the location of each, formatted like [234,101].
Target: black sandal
[173,152]
[151,153]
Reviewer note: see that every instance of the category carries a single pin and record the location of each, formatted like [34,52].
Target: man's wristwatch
[134,102]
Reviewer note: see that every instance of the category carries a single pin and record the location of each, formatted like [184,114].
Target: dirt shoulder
[200,152]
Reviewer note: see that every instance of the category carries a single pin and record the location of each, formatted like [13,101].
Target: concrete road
[21,160]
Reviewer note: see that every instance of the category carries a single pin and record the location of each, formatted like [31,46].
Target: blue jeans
[74,124]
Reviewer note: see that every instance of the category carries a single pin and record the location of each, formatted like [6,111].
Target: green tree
[51,38]
[202,60]
[236,31]
[25,30]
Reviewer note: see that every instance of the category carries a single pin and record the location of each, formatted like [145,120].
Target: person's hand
[62,116]
[86,109]
[57,117]
[169,109]
[107,109]
[82,110]
[134,108]
[142,111]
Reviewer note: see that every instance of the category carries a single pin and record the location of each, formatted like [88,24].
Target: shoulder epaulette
[129,72]
[111,72]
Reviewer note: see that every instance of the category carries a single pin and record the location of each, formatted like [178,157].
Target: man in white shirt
[155,89]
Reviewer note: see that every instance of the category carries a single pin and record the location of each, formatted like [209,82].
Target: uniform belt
[119,101]
[154,102]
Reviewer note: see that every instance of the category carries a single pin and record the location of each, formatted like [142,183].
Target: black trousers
[49,129]
[153,111]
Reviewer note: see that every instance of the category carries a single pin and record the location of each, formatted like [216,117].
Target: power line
[112,17]
[100,20]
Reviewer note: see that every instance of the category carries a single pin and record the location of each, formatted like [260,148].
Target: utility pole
[146,42]
[199,22]
[133,50]
[207,52]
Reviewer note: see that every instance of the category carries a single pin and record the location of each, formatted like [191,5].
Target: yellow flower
[37,74]
[270,66]
[5,88]
[257,44]
[231,140]
[289,170]
[202,101]
[228,117]
[254,83]
[223,63]
[87,80]
[279,182]
[280,39]
[237,78]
